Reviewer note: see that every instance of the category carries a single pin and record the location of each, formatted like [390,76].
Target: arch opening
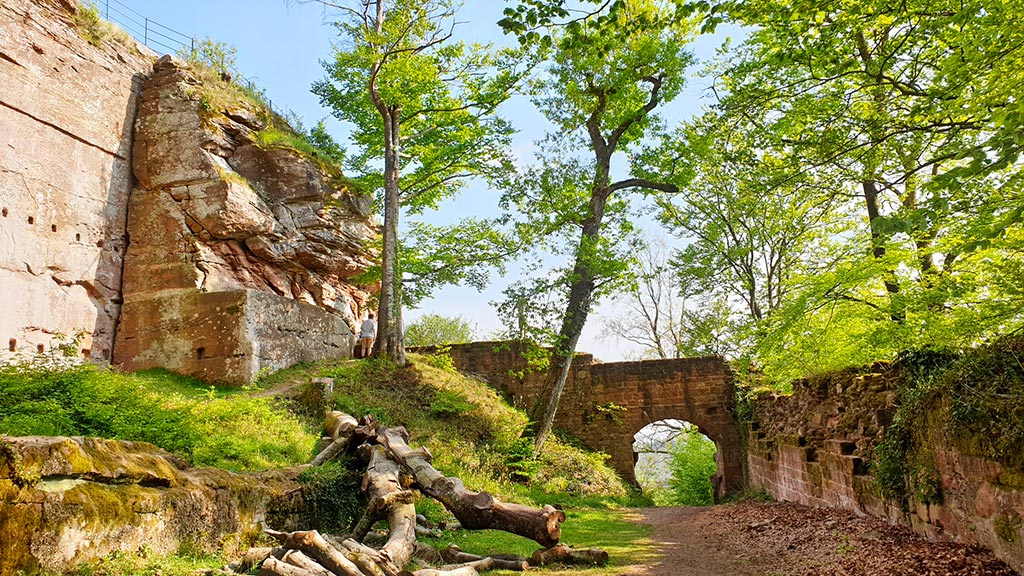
[676,462]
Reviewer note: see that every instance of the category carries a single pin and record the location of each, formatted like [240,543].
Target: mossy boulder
[64,501]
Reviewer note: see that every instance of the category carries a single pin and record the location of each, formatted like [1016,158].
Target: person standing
[367,333]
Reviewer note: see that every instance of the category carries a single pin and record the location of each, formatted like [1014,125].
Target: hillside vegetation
[470,430]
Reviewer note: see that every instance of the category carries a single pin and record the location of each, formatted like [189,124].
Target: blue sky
[280,46]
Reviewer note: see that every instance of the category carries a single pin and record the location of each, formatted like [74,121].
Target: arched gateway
[606,404]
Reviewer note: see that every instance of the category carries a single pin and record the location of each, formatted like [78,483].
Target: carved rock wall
[66,115]
[815,446]
[242,255]
[64,501]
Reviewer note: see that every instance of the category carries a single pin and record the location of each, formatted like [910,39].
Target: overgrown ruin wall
[606,404]
[137,213]
[816,446]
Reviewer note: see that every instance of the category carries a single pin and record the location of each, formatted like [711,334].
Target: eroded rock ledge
[241,256]
[64,501]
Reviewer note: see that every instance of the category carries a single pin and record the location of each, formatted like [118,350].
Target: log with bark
[474,510]
[562,554]
[388,456]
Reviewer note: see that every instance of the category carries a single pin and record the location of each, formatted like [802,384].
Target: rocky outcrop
[66,115]
[242,255]
[64,501]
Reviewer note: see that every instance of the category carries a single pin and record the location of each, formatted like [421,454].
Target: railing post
[107,9]
[145,37]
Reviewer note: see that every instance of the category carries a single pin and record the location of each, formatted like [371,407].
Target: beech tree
[609,71]
[422,106]
[903,110]
[666,315]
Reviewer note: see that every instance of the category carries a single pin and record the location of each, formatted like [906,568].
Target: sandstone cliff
[66,115]
[241,254]
[143,214]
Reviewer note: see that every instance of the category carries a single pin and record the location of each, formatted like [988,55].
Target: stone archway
[605,404]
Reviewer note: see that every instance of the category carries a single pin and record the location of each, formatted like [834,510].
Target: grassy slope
[472,433]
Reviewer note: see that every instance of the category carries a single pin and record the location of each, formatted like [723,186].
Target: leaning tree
[610,70]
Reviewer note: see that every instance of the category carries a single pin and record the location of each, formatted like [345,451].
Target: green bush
[333,499]
[693,465]
[435,329]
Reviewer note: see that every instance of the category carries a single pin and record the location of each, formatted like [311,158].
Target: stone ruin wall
[815,446]
[155,227]
[698,390]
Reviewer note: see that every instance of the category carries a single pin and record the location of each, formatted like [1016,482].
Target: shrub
[435,329]
[693,465]
[219,56]
[332,495]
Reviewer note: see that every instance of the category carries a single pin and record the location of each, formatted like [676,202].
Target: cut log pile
[395,472]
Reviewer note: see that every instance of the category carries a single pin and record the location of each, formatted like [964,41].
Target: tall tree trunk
[390,341]
[581,292]
[878,245]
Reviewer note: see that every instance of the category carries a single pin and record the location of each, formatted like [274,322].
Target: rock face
[66,115]
[64,501]
[241,255]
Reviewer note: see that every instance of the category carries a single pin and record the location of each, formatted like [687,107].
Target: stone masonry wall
[66,114]
[606,404]
[815,446]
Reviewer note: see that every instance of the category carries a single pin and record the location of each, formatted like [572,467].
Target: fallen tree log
[474,510]
[300,560]
[463,571]
[394,502]
[340,428]
[274,567]
[314,545]
[454,555]
[562,554]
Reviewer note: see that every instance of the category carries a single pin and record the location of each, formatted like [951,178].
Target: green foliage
[219,56]
[334,501]
[693,465]
[520,460]
[860,189]
[95,30]
[435,329]
[220,427]
[449,404]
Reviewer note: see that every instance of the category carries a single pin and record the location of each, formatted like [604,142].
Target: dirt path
[782,539]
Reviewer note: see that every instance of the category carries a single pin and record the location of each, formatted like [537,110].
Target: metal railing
[162,39]
[159,38]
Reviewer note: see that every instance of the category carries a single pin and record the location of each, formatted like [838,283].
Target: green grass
[607,528]
[206,425]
